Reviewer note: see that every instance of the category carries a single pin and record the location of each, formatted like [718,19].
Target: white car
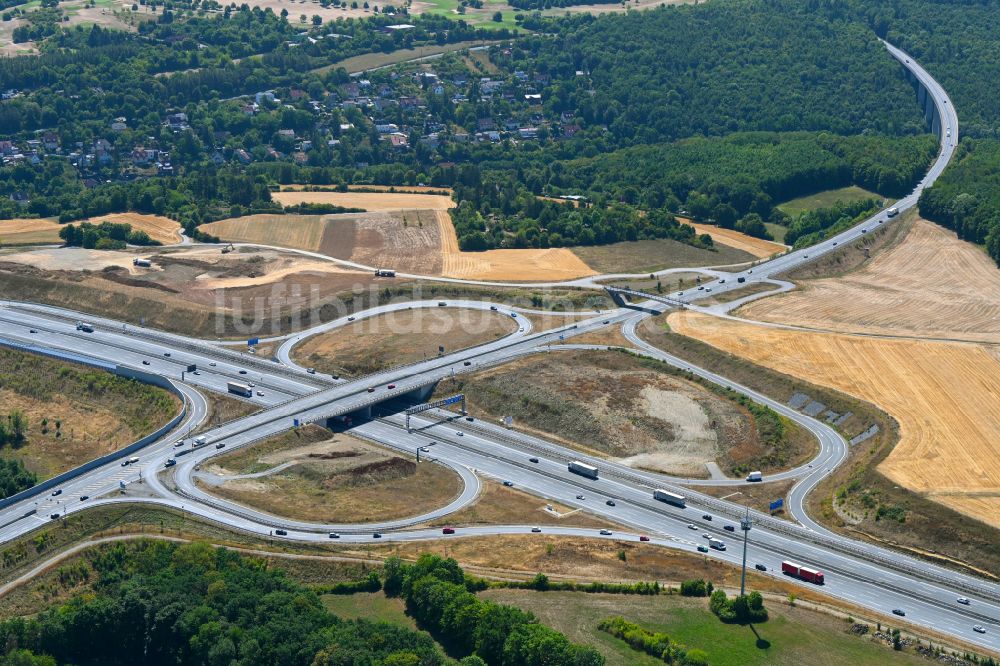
[964,601]
[605,532]
[692,526]
[536,529]
[979,629]
[212,364]
[460,433]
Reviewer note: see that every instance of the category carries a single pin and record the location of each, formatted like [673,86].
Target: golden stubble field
[945,396]
[758,247]
[929,285]
[408,232]
[33,231]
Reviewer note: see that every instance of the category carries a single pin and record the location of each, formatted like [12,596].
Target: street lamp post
[745,525]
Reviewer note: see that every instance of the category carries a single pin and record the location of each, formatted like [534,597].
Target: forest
[152,602]
[966,198]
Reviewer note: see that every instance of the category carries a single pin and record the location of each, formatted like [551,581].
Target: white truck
[755,476]
[717,544]
[240,389]
[200,441]
[583,469]
[892,212]
[669,498]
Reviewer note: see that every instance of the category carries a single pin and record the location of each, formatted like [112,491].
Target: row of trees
[812,226]
[741,609]
[653,643]
[437,596]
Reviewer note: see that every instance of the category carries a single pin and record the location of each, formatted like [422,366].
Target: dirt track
[946,397]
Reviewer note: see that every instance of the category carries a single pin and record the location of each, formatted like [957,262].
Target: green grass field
[826,199]
[777,231]
[792,636]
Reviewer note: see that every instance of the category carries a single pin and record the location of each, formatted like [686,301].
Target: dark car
[281,532]
[448,530]
[391,386]
[167,354]
[534,460]
[243,372]
[377,535]
[371,389]
[899,611]
[54,516]
[84,498]
[145,362]
[610,503]
[33,331]
[643,538]
[467,363]
[760,567]
[509,484]
[706,517]
[334,535]
[493,307]
[729,528]
[57,492]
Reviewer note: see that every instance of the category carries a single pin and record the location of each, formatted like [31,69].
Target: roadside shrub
[739,610]
[696,588]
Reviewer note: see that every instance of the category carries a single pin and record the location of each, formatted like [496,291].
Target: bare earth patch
[341,479]
[396,338]
[945,396]
[608,404]
[370,201]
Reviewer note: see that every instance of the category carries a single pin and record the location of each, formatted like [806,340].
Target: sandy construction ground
[29,231]
[71,259]
[758,247]
[945,396]
[370,201]
[928,285]
[159,228]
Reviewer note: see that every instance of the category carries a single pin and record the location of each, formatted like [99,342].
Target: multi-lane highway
[859,573]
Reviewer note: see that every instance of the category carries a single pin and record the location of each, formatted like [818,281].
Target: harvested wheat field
[945,396]
[417,241]
[159,228]
[758,247]
[370,201]
[301,232]
[30,231]
[403,189]
[930,284]
[554,264]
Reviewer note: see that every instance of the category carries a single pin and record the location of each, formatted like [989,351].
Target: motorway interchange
[873,578]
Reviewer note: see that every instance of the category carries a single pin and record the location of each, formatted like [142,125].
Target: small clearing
[400,337]
[826,199]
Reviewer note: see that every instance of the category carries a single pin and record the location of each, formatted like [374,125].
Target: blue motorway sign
[452,400]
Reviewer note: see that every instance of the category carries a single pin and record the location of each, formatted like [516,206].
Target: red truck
[805,573]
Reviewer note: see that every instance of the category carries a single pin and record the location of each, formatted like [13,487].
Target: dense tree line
[104,236]
[549,4]
[813,226]
[14,477]
[720,67]
[966,198]
[160,603]
[437,596]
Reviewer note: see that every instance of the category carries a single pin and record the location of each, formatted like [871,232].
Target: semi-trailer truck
[385,272]
[583,469]
[239,389]
[799,571]
[669,498]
